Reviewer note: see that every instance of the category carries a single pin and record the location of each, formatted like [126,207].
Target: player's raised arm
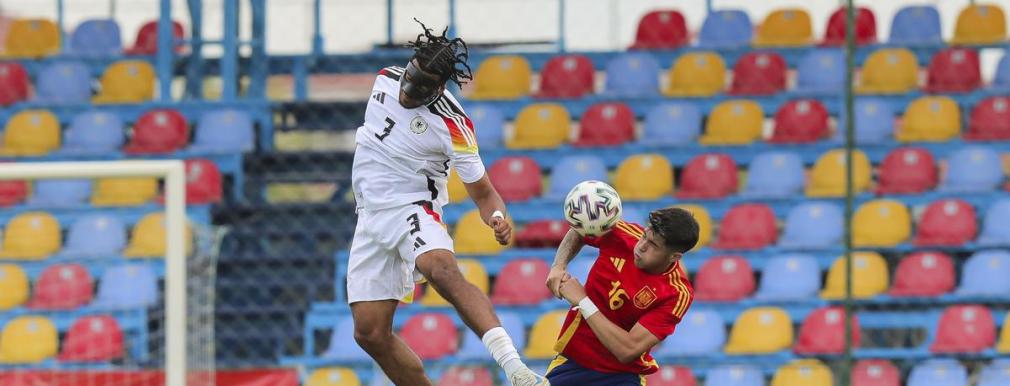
[626,346]
[491,206]
[569,248]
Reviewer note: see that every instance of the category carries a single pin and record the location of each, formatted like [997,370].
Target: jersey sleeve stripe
[392,72]
[682,294]
[466,124]
[623,226]
[462,138]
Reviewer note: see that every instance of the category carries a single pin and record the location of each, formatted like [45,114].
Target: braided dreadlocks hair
[439,55]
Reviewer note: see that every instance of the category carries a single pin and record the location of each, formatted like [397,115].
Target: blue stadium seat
[489,124]
[734,375]
[473,348]
[874,122]
[789,277]
[632,75]
[813,225]
[98,37]
[580,267]
[702,332]
[775,174]
[224,131]
[671,124]
[725,29]
[60,193]
[1002,79]
[822,71]
[571,170]
[973,169]
[986,273]
[342,345]
[96,235]
[996,224]
[93,133]
[996,373]
[938,372]
[916,25]
[64,82]
[636,216]
[127,286]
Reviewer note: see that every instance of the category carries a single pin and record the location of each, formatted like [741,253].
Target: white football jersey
[404,155]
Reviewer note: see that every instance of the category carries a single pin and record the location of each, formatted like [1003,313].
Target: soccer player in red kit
[636,293]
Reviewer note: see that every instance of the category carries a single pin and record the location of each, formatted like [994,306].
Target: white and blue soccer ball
[592,208]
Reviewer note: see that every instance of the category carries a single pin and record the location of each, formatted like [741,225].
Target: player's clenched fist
[502,230]
[554,279]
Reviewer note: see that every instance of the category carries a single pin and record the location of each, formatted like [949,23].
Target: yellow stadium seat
[28,339]
[760,330]
[13,286]
[1003,345]
[869,276]
[148,237]
[124,191]
[785,27]
[696,74]
[704,220]
[474,273]
[31,133]
[931,119]
[127,81]
[31,236]
[644,177]
[502,77]
[540,126]
[734,122]
[827,178]
[474,237]
[803,372]
[543,339]
[889,71]
[333,376]
[881,223]
[457,191]
[32,38]
[980,24]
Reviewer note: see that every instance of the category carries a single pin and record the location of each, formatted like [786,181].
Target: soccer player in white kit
[414,131]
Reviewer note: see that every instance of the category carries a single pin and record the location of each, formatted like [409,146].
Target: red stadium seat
[759,73]
[990,120]
[947,222]
[466,376]
[12,192]
[671,376]
[158,131]
[747,226]
[521,282]
[431,335]
[542,234]
[724,279]
[907,170]
[965,329]
[866,27]
[823,332]
[875,372]
[665,29]
[924,274]
[567,76]
[516,178]
[14,83]
[147,38]
[93,339]
[800,121]
[953,70]
[203,182]
[606,124]
[62,287]
[709,176]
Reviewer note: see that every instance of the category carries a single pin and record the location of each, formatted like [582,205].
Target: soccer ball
[592,208]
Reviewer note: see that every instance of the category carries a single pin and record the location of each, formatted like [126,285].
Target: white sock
[499,344]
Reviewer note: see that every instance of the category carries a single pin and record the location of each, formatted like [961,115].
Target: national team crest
[418,125]
[644,297]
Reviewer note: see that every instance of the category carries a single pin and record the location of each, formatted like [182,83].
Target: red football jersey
[625,295]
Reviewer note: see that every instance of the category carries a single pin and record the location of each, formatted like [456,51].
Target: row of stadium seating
[32,340]
[71,286]
[126,81]
[36,38]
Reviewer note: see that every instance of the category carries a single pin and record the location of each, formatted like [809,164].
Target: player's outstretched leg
[373,330]
[473,306]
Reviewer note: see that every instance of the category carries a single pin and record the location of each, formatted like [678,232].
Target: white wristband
[498,214]
[587,307]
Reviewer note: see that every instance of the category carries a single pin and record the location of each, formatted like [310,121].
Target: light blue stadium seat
[789,277]
[813,225]
[973,169]
[99,37]
[224,131]
[489,124]
[634,74]
[127,286]
[64,82]
[571,170]
[986,273]
[96,235]
[938,372]
[874,122]
[996,373]
[1002,78]
[580,267]
[996,224]
[342,344]
[726,28]
[775,174]
[916,25]
[671,124]
[633,215]
[821,71]
[473,348]
[93,133]
[702,332]
[734,375]
[60,193]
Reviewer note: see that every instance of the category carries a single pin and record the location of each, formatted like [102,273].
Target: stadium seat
[1003,346]
[14,83]
[907,170]
[127,286]
[985,273]
[1002,78]
[632,74]
[97,235]
[672,376]
[661,30]
[93,132]
[13,192]
[734,122]
[629,181]
[473,348]
[671,124]
[995,374]
[724,279]
[775,174]
[490,125]
[980,24]
[466,376]
[937,372]
[823,332]
[62,287]
[473,237]
[32,39]
[827,178]
[540,126]
[760,330]
[789,277]
[64,82]
[875,372]
[28,339]
[869,276]
[964,329]
[571,170]
[57,193]
[224,131]
[31,133]
[516,178]
[734,375]
[874,122]
[973,169]
[708,176]
[333,376]
[924,274]
[13,286]
[866,27]
[124,191]
[31,236]
[726,28]
[916,25]
[696,74]
[949,222]
[342,346]
[813,225]
[881,223]
[821,71]
[800,121]
[158,131]
[759,73]
[702,332]
[788,27]
[93,339]
[701,215]
[521,282]
[474,273]
[147,38]
[990,120]
[127,81]
[889,71]
[953,70]
[747,226]
[431,335]
[544,334]
[502,77]
[203,182]
[96,37]
[148,237]
[930,119]
[456,190]
[996,224]
[567,76]
[606,124]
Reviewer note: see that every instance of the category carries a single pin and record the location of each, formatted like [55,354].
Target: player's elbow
[628,355]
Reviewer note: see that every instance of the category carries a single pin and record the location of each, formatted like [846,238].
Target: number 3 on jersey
[388,129]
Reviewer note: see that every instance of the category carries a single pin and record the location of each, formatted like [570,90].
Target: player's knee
[371,337]
[442,271]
